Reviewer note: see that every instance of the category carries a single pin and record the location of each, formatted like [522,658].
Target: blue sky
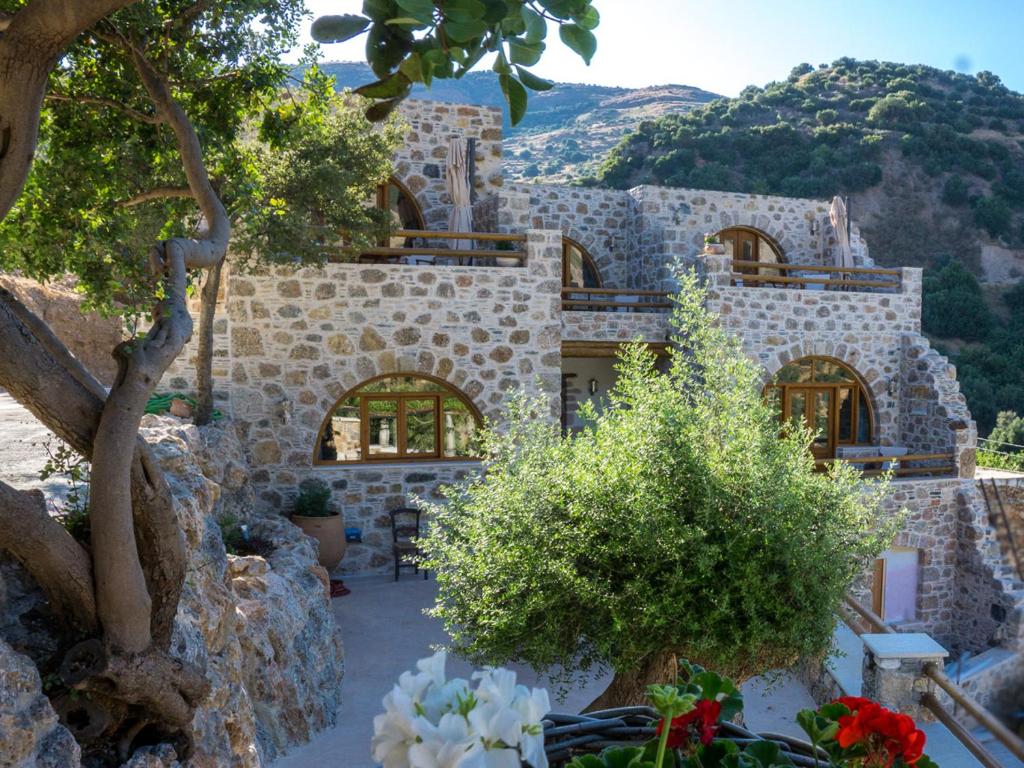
[723,45]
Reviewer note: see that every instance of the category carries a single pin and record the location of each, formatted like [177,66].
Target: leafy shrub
[1009,430]
[955,191]
[313,499]
[73,510]
[678,521]
[953,304]
[993,214]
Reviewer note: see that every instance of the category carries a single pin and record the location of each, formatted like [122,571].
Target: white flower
[439,700]
[393,734]
[532,707]
[481,757]
[443,745]
[497,685]
[495,724]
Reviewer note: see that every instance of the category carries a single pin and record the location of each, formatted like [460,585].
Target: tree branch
[157,193]
[58,563]
[212,244]
[30,46]
[96,101]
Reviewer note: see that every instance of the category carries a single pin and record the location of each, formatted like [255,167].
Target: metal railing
[613,299]
[783,276]
[940,464]
[411,253]
[853,609]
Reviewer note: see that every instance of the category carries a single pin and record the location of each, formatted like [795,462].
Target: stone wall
[934,417]
[261,628]
[420,161]
[616,326]
[863,330]
[299,339]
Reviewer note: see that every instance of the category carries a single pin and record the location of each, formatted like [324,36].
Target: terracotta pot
[716,249]
[330,535]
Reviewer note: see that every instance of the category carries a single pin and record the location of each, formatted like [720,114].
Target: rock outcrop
[261,627]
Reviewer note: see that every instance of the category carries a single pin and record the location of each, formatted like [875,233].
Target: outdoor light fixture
[815,226]
[593,386]
[892,387]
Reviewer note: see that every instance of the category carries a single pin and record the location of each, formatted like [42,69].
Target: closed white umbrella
[839,217]
[457,181]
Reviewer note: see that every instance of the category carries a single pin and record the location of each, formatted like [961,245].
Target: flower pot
[330,535]
[714,249]
[506,261]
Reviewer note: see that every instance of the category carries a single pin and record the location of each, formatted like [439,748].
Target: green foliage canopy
[86,208]
[678,520]
[416,41]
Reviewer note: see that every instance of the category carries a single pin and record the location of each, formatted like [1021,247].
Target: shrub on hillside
[677,522]
[953,304]
[993,214]
[955,191]
[1009,430]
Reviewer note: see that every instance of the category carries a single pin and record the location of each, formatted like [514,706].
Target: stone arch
[760,222]
[599,254]
[870,375]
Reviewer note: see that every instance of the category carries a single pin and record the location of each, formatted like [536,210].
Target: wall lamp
[592,386]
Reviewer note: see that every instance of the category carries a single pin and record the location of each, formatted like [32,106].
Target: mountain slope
[566,131]
[933,162]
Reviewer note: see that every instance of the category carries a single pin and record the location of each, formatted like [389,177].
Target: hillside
[933,162]
[567,131]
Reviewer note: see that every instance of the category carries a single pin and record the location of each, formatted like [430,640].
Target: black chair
[405,532]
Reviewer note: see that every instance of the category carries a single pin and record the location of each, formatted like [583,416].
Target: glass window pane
[383,417]
[402,384]
[899,602]
[459,428]
[797,408]
[827,371]
[863,420]
[342,435]
[794,373]
[822,411]
[845,415]
[420,426]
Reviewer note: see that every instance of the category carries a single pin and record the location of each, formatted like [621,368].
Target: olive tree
[158,129]
[678,522]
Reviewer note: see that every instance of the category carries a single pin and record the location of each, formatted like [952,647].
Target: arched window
[578,267]
[827,397]
[749,244]
[395,197]
[400,417]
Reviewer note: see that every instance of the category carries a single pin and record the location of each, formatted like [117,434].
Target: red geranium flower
[884,734]
[704,718]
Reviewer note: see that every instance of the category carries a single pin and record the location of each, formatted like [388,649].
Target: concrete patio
[385,632]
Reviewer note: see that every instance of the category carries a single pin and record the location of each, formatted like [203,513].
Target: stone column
[715,269]
[544,272]
[894,671]
[910,289]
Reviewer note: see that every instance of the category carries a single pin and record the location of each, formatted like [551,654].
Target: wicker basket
[566,736]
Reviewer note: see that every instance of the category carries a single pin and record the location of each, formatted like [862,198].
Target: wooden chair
[405,530]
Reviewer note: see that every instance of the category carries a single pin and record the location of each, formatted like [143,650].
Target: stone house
[368,375]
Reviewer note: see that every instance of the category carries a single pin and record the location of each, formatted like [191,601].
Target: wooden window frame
[758,236]
[856,387]
[401,437]
[588,260]
[384,203]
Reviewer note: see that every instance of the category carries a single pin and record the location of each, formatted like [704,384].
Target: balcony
[576,299]
[905,465]
[814,277]
[405,246]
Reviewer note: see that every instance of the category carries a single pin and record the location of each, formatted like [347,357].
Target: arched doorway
[578,267]
[827,397]
[395,197]
[746,244]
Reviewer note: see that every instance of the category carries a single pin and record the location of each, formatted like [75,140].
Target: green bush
[678,521]
[1009,431]
[313,499]
[955,191]
[993,214]
[953,304]
[827,116]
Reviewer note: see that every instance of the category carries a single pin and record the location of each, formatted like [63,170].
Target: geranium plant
[860,733]
[432,722]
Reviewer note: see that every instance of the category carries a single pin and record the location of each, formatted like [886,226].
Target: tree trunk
[204,354]
[630,688]
[58,563]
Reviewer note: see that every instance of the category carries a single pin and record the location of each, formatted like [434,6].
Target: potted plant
[505,261]
[315,517]
[713,245]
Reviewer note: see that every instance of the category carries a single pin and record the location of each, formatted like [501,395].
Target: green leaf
[589,19]
[768,753]
[396,86]
[412,68]
[533,82]
[338,29]
[536,27]
[464,31]
[380,10]
[381,110]
[526,54]
[421,10]
[496,11]
[581,40]
[516,97]
[464,11]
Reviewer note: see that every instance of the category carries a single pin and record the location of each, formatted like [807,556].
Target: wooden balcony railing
[426,255]
[613,300]
[853,613]
[784,276]
[936,464]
